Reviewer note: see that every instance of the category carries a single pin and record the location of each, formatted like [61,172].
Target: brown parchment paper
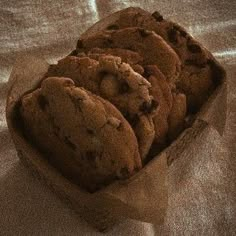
[201,182]
[143,197]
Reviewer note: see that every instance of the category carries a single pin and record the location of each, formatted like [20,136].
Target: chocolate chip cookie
[92,142]
[117,82]
[150,46]
[194,57]
[127,56]
[161,91]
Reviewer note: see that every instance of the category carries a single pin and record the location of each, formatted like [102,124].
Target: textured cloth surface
[205,204]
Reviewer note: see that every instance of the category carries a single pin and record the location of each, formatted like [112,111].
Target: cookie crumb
[158,17]
[43,102]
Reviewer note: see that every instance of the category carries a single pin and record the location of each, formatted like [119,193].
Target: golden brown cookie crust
[127,56]
[117,82]
[92,143]
[150,46]
[197,63]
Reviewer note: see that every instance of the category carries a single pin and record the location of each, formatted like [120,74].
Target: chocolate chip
[183,33]
[107,42]
[144,33]
[134,120]
[148,107]
[79,44]
[194,48]
[89,131]
[154,104]
[43,102]
[148,71]
[69,143]
[172,35]
[158,17]
[17,119]
[137,169]
[90,156]
[124,88]
[113,162]
[112,27]
[103,74]
[127,115]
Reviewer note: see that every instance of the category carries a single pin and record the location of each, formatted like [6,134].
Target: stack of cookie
[119,98]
